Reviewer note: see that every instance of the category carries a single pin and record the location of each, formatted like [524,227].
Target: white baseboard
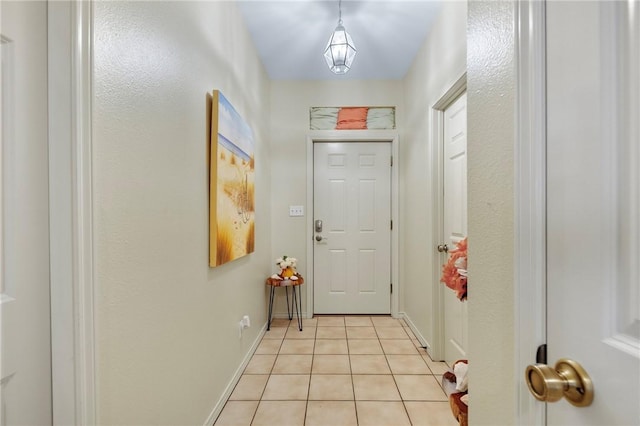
[234,380]
[415,330]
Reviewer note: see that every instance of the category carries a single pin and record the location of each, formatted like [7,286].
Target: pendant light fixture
[340,50]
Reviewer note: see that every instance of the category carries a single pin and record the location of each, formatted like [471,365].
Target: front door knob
[443,248]
[568,379]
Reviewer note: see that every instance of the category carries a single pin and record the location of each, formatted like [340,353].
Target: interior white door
[25,348]
[455,220]
[352,246]
[593,196]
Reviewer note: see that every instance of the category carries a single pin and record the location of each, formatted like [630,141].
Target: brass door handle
[443,248]
[567,379]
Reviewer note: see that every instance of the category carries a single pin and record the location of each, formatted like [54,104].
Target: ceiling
[291,35]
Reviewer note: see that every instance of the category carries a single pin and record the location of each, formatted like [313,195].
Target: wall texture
[440,62]
[491,117]
[167,334]
[290,103]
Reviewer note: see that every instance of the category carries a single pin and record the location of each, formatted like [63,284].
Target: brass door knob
[568,379]
[443,248]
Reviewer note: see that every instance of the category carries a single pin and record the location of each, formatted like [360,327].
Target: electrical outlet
[246,322]
[296,210]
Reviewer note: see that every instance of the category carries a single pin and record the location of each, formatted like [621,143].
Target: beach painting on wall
[232,183]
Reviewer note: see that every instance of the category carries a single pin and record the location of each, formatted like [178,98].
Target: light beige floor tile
[281,413]
[430,414]
[237,413]
[269,346]
[370,364]
[375,388]
[306,333]
[331,347]
[331,364]
[408,364]
[364,347]
[286,387]
[331,387]
[386,322]
[306,322]
[381,413]
[358,322]
[419,388]
[331,333]
[397,347]
[330,321]
[439,380]
[297,347]
[280,322]
[275,333]
[260,364]
[249,387]
[334,413]
[436,367]
[292,364]
[361,333]
[392,333]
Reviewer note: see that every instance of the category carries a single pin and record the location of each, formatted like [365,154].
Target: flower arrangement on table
[454,272]
[287,265]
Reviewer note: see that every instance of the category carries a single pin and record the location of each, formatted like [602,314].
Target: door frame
[70,51]
[530,201]
[347,136]
[436,120]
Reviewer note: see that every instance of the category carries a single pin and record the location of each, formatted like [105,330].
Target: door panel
[25,350]
[455,220]
[352,197]
[593,196]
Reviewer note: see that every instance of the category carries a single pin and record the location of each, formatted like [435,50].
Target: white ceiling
[291,35]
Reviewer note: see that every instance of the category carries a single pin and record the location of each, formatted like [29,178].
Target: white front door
[352,228]
[593,204]
[455,220]
[25,348]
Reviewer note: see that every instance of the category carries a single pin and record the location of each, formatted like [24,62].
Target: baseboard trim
[217,409]
[424,342]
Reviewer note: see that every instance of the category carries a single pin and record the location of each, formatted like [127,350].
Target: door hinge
[541,354]
[392,161]
[392,225]
[391,285]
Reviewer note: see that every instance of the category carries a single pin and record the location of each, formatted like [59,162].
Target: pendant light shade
[340,50]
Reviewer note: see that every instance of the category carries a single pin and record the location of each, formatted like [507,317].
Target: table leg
[297,300]
[271,292]
[289,310]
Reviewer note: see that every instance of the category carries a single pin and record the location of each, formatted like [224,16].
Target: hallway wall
[440,62]
[290,103]
[166,324]
[492,132]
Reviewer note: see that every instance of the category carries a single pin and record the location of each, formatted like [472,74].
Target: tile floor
[340,370]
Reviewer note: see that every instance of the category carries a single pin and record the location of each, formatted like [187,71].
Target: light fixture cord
[340,12]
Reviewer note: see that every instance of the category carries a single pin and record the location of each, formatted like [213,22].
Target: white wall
[166,326]
[440,62]
[290,103]
[491,117]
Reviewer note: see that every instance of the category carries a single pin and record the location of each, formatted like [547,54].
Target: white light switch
[296,210]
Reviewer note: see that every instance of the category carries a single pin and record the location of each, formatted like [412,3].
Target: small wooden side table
[296,299]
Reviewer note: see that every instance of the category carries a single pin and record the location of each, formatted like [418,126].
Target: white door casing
[455,220]
[593,196]
[352,198]
[25,339]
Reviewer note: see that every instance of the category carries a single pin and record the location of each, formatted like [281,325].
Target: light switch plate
[296,210]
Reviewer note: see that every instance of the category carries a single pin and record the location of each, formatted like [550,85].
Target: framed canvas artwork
[232,183]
